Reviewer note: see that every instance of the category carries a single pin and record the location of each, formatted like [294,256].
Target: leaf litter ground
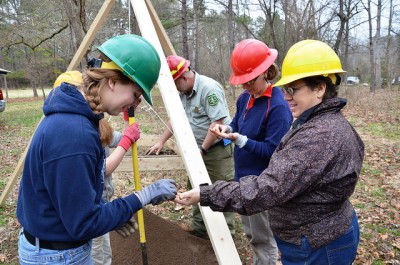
[376,199]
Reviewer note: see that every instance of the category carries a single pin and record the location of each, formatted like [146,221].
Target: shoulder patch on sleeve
[212,100]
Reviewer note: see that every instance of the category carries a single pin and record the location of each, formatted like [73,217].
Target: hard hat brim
[148,98]
[241,79]
[291,78]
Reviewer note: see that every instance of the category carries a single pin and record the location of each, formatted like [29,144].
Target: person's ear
[321,90]
[111,84]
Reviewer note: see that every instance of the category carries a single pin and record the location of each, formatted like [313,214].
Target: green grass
[25,114]
[381,229]
[370,170]
[378,262]
[3,217]
[354,120]
[17,124]
[22,123]
[395,232]
[384,130]
[366,235]
[3,183]
[24,93]
[360,205]
[378,192]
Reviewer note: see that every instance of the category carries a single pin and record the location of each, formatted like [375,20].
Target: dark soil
[142,150]
[166,244]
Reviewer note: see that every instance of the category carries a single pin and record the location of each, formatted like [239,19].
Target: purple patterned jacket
[308,182]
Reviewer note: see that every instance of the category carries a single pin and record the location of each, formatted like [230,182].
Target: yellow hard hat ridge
[70,77]
[309,58]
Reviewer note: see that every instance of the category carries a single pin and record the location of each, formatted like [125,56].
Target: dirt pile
[166,244]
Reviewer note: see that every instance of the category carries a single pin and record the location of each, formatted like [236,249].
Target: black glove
[128,228]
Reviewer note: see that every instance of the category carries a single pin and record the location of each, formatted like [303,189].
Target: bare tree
[196,40]
[305,20]
[374,43]
[269,9]
[231,40]
[76,15]
[347,10]
[389,69]
[27,31]
[185,46]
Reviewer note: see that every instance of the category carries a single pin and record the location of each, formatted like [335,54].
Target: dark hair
[331,89]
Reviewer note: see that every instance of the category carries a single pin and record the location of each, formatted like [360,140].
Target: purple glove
[158,192]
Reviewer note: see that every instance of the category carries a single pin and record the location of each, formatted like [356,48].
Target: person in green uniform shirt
[205,105]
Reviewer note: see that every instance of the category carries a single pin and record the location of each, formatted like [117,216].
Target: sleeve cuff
[205,190]
[134,201]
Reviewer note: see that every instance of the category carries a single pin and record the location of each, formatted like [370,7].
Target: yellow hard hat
[309,58]
[70,77]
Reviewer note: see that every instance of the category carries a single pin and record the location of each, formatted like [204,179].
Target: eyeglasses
[290,90]
[252,81]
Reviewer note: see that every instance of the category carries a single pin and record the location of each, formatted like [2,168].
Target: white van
[352,80]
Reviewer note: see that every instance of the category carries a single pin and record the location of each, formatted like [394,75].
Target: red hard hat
[177,65]
[250,58]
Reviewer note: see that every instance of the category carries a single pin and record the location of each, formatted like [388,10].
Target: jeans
[30,254]
[341,251]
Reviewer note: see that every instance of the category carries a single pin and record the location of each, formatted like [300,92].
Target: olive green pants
[219,164]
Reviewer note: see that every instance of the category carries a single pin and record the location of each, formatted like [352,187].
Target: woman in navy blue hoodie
[60,203]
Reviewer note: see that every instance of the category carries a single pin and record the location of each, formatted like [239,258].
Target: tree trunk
[269,10]
[196,39]
[185,46]
[231,39]
[388,66]
[372,85]
[343,21]
[377,54]
[76,9]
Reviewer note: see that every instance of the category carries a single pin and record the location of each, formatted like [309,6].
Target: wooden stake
[217,228]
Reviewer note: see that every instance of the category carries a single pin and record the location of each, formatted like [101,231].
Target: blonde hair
[94,81]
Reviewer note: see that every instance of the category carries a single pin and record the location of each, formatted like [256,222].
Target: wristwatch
[204,151]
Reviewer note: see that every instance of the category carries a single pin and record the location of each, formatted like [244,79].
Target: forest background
[40,37]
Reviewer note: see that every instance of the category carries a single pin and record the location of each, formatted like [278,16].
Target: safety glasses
[251,82]
[290,90]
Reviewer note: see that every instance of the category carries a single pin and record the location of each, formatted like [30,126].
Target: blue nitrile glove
[226,141]
[157,192]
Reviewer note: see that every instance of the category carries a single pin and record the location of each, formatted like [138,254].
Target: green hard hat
[137,58]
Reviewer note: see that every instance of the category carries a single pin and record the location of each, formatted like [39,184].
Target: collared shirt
[206,104]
